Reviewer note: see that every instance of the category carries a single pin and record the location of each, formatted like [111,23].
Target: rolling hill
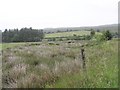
[110,27]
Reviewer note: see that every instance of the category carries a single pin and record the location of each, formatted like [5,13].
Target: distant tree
[98,30]
[92,33]
[22,35]
[5,36]
[107,35]
[58,31]
[15,38]
[5,30]
[30,28]
[115,34]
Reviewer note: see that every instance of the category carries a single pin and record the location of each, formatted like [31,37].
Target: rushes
[44,65]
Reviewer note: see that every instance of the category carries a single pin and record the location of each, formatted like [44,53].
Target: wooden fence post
[83,58]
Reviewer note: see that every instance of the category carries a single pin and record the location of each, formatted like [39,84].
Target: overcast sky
[57,13]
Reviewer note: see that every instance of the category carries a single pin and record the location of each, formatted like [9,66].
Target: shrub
[51,39]
[87,37]
[99,38]
[107,35]
[60,39]
[92,33]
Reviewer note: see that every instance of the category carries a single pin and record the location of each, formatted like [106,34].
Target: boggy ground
[59,65]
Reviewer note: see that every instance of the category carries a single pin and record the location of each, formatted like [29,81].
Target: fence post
[83,58]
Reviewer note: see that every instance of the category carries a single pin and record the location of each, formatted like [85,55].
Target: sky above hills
[57,13]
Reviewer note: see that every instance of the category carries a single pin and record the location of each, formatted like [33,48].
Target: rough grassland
[66,34]
[9,45]
[59,65]
[102,69]
[13,45]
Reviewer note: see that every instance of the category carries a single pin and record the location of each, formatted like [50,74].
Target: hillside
[111,27]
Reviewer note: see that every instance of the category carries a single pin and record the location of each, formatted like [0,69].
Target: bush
[99,37]
[107,35]
[51,39]
[60,39]
[92,33]
[87,37]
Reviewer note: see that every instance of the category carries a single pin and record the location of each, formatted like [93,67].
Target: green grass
[59,66]
[10,45]
[101,71]
[14,45]
[0,46]
[67,34]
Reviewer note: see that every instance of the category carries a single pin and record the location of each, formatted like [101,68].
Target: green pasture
[67,34]
[9,45]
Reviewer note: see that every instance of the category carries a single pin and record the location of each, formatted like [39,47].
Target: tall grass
[59,65]
[101,71]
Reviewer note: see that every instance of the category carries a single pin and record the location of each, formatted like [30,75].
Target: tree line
[22,35]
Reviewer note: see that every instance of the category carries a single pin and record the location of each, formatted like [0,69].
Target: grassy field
[61,34]
[59,65]
[9,45]
[66,34]
[102,69]
[14,45]
[0,46]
